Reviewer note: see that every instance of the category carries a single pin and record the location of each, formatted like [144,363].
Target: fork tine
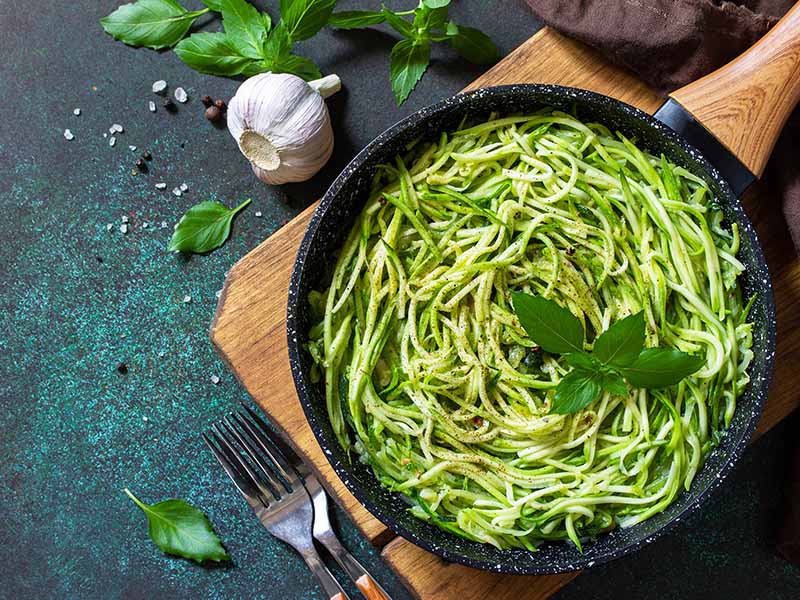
[263,464]
[243,483]
[288,459]
[278,459]
[266,494]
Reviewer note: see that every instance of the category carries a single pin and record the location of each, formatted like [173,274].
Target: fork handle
[326,580]
[363,580]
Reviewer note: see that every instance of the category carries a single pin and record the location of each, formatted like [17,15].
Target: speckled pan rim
[520,565]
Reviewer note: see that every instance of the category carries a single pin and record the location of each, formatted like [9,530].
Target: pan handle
[746,103]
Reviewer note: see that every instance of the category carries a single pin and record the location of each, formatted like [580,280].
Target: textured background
[76,300]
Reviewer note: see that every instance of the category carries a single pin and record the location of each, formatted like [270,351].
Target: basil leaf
[353,19]
[435,3]
[256,67]
[204,227]
[152,23]
[551,326]
[178,528]
[278,44]
[398,23]
[297,65]
[475,46]
[245,26]
[581,360]
[427,18]
[211,53]
[661,367]
[613,384]
[304,18]
[620,344]
[408,63]
[577,390]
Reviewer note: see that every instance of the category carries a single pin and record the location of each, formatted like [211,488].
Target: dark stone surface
[76,300]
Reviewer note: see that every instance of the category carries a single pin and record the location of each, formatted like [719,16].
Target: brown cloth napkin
[670,43]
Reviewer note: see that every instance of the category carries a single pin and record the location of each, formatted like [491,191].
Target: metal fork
[283,507]
[288,461]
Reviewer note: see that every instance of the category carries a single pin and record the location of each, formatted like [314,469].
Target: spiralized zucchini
[431,380]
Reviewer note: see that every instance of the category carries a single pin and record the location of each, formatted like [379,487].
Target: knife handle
[371,590]
[746,102]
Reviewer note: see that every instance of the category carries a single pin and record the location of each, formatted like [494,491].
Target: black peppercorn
[207,100]
[220,104]
[141,165]
[213,114]
[169,105]
[570,251]
[146,155]
[122,368]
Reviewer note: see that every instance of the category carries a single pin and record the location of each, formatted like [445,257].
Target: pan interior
[333,220]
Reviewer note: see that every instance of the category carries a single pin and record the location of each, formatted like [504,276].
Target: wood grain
[746,103]
[249,328]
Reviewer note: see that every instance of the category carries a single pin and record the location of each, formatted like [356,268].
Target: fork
[288,461]
[283,507]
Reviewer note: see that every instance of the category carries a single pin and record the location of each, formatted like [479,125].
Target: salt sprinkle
[105,135]
[68,135]
[145,225]
[109,226]
[111,141]
[145,419]
[218,293]
[152,106]
[76,112]
[125,218]
[159,86]
[117,127]
[180,95]
[258,214]
[161,186]
[187,299]
[177,191]
[124,228]
[160,354]
[132,148]
[163,224]
[214,379]
[184,187]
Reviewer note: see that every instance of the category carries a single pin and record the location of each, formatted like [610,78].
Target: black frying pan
[674,132]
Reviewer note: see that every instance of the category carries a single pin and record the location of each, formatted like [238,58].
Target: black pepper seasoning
[213,114]
[141,165]
[146,155]
[122,368]
[570,251]
[207,100]
[220,104]
[169,105]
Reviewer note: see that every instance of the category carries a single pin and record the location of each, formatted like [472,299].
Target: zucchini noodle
[429,377]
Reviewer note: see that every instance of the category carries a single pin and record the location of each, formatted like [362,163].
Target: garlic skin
[282,126]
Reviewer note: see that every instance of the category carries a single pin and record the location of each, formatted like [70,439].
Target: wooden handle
[746,103]
[369,588]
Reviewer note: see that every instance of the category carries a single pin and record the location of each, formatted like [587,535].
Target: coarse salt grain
[163,224]
[117,127]
[187,299]
[105,135]
[109,226]
[184,187]
[181,95]
[159,86]
[177,191]
[132,148]
[125,218]
[145,225]
[124,228]
[218,293]
[145,419]
[152,106]
[214,379]
[76,112]
[161,186]
[111,141]
[258,214]
[68,135]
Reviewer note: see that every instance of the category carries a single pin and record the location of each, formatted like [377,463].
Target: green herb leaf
[297,65]
[577,390]
[278,44]
[152,23]
[427,18]
[435,3]
[398,23]
[178,528]
[661,367]
[354,19]
[304,18]
[475,46]
[245,26]
[613,384]
[211,53]
[581,360]
[552,327]
[620,344]
[204,227]
[409,60]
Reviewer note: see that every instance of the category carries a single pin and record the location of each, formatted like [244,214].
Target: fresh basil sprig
[204,227]
[247,46]
[410,57]
[618,355]
[178,528]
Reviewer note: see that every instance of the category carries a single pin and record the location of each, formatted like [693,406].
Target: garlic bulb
[282,125]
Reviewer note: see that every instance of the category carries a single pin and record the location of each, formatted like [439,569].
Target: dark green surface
[73,428]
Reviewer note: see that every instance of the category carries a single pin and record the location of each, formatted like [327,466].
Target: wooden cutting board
[249,327]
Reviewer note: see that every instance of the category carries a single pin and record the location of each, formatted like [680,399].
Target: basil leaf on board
[152,23]
[245,26]
[297,65]
[398,23]
[211,53]
[178,528]
[621,343]
[613,384]
[204,227]
[577,390]
[475,46]
[304,18]
[409,60]
[354,19]
[551,326]
[661,367]
[435,3]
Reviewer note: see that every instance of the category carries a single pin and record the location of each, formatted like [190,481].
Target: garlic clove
[282,125]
